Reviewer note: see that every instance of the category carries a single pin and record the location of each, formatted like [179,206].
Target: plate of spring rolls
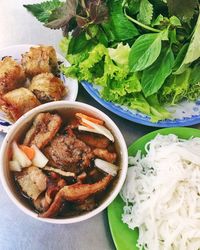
[30,76]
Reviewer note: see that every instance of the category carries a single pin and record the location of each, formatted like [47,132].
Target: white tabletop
[17,230]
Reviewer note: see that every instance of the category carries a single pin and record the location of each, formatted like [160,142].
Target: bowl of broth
[63,162]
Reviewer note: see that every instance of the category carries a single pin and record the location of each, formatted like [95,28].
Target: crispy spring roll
[12,75]
[47,87]
[17,102]
[41,59]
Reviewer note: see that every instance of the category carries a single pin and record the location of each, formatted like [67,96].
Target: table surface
[17,230]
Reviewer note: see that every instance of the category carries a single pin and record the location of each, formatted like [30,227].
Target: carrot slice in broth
[28,151]
[89,118]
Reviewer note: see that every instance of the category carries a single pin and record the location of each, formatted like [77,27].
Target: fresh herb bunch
[144,53]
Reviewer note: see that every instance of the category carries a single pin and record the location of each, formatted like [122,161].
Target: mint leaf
[144,51]
[101,37]
[118,27]
[193,52]
[173,37]
[154,77]
[78,44]
[145,12]
[175,21]
[182,9]
[42,11]
[180,57]
[132,6]
[158,21]
[61,16]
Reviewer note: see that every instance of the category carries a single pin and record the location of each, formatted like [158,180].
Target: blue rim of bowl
[195,119]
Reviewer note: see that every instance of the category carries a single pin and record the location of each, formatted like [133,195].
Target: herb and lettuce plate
[142,57]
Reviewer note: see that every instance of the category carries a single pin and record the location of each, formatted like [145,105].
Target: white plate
[16,51]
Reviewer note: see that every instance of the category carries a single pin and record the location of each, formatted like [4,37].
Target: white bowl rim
[106,203]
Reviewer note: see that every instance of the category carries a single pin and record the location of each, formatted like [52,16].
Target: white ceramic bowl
[19,129]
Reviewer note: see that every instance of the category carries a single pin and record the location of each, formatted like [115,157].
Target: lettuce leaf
[72,71]
[195,74]
[138,102]
[193,92]
[176,88]
[99,67]
[64,45]
[120,54]
[182,86]
[158,112]
[132,84]
[132,101]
